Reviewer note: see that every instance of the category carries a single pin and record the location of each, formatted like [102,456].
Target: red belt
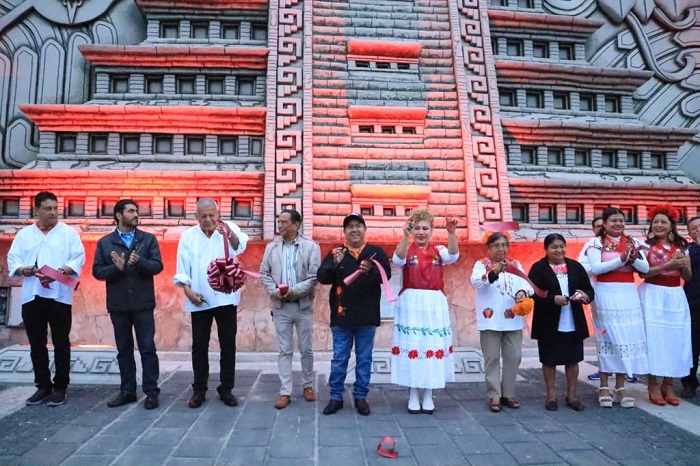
[615,277]
[664,280]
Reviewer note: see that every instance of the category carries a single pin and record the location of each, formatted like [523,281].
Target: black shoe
[151,401]
[551,405]
[687,393]
[362,407]
[196,400]
[121,399]
[57,397]
[228,398]
[333,407]
[38,397]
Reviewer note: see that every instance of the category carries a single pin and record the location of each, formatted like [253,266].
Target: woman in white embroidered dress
[500,330]
[617,316]
[665,307]
[422,343]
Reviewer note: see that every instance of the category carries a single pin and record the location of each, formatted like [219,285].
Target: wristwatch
[62,271]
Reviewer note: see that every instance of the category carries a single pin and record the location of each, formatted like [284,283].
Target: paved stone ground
[85,432]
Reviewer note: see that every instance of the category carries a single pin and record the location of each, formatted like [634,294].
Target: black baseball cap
[353,216]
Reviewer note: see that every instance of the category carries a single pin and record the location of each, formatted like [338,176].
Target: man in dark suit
[692,293]
[127,259]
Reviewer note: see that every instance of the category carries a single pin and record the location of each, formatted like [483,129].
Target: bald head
[206,202]
[207,215]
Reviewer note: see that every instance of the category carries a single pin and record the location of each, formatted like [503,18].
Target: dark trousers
[145,328]
[39,315]
[227,326]
[691,380]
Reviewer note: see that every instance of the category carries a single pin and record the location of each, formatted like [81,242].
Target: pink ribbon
[511,268]
[54,274]
[501,226]
[390,296]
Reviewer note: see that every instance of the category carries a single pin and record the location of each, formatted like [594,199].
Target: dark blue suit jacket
[130,289]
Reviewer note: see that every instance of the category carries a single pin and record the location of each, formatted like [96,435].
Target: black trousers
[144,326]
[691,380]
[39,315]
[226,323]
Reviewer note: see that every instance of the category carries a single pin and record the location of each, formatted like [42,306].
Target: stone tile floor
[462,431]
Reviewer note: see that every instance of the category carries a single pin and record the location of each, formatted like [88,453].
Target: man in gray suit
[288,274]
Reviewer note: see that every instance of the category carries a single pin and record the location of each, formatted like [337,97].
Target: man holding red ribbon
[48,256]
[354,304]
[198,246]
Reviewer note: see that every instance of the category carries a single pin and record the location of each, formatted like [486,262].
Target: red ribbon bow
[225,273]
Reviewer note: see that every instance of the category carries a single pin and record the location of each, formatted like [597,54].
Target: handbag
[225,274]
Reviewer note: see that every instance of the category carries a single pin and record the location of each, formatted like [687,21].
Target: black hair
[595,219]
[121,205]
[43,196]
[697,217]
[294,216]
[495,237]
[678,240]
[607,213]
[552,237]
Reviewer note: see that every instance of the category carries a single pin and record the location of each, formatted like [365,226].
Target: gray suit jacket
[308,261]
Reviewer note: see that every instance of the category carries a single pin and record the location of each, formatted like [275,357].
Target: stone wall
[91,324]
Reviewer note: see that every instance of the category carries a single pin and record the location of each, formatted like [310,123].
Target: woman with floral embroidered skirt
[617,315]
[422,344]
[500,329]
[665,307]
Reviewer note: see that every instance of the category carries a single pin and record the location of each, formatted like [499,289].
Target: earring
[671,237]
[651,235]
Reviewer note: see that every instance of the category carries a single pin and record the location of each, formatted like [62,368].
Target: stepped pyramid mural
[540,111]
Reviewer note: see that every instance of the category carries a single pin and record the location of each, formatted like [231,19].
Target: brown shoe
[309,394]
[283,401]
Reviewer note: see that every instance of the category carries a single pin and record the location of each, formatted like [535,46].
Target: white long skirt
[619,329]
[667,324]
[421,353]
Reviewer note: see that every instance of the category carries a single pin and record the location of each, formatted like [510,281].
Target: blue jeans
[143,324]
[343,338]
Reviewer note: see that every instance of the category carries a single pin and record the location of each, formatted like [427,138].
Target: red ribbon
[511,268]
[225,274]
[390,296]
[50,272]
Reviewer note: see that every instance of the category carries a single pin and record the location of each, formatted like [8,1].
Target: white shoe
[413,401]
[428,405]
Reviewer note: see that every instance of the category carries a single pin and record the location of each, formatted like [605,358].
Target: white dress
[666,319]
[421,352]
[617,317]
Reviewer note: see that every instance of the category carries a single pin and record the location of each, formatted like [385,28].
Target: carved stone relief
[40,61]
[662,36]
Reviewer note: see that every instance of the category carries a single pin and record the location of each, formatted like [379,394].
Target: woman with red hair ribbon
[665,307]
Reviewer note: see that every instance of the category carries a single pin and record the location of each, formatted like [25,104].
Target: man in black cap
[354,309]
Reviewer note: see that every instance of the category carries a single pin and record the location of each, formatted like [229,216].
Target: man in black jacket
[354,310]
[127,259]
[692,293]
